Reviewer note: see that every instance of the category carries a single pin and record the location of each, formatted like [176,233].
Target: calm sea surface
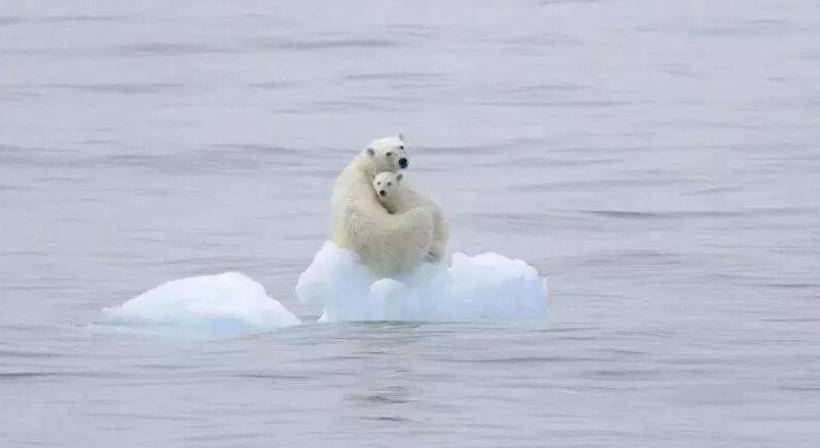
[659,162]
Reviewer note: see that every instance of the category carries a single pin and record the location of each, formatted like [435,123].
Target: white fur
[388,244]
[397,197]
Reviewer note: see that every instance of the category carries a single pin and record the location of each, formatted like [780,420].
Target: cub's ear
[401,137]
[399,177]
[371,152]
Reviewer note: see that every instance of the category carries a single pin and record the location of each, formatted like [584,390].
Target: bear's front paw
[431,257]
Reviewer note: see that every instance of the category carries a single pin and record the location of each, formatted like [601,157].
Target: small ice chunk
[228,303]
[482,287]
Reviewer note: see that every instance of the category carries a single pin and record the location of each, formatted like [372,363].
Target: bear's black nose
[403,163]
[382,193]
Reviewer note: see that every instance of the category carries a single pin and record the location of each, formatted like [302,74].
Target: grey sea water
[657,161]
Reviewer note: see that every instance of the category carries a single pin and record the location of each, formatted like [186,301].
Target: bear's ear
[371,152]
[399,177]
[401,137]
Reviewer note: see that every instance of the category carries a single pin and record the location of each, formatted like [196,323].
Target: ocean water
[659,162]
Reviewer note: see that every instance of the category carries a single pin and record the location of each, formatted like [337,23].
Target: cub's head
[387,154]
[386,183]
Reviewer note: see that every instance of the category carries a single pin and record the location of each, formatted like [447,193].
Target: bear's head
[386,183]
[387,154]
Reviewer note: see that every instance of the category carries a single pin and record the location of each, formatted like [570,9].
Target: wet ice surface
[658,163]
[205,306]
[486,286]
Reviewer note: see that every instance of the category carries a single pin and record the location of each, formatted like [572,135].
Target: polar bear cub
[387,244]
[399,198]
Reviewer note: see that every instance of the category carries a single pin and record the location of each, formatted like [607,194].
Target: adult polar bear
[388,244]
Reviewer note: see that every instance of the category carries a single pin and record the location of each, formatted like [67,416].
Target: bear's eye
[389,154]
[378,183]
[389,184]
[401,147]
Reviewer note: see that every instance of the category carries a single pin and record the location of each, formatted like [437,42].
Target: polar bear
[388,244]
[398,197]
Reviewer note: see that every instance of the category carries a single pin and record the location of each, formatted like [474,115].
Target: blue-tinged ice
[482,287]
[228,303]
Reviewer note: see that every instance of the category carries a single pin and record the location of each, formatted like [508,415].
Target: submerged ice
[482,287]
[486,286]
[227,303]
